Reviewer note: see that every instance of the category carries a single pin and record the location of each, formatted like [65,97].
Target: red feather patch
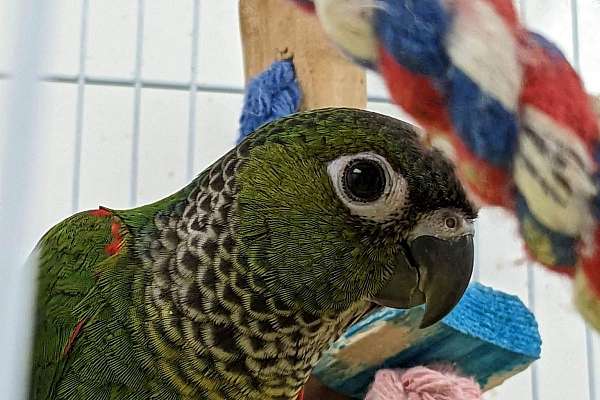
[73,337]
[115,230]
[113,247]
[100,213]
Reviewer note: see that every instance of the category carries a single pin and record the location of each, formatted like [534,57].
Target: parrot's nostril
[451,222]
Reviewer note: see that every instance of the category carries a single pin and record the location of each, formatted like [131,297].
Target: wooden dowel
[274,29]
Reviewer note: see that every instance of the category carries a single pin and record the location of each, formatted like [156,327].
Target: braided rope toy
[503,103]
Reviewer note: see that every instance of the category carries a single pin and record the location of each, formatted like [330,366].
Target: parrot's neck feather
[208,318]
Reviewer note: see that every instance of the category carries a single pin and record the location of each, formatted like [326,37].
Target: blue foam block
[489,335]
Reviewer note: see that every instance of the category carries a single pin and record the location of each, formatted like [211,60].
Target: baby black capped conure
[232,287]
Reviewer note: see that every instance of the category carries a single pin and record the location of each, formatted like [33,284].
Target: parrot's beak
[445,267]
[436,273]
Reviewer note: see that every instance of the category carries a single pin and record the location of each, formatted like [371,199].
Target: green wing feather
[88,341]
[73,256]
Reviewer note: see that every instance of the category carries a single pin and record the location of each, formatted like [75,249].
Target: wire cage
[136,97]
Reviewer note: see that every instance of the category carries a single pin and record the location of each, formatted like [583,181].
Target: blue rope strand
[272,94]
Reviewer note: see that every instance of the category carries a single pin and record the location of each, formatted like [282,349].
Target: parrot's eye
[368,186]
[364,180]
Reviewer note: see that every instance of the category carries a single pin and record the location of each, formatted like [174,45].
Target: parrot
[232,287]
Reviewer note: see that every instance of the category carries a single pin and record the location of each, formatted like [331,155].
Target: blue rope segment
[492,135]
[413,32]
[273,94]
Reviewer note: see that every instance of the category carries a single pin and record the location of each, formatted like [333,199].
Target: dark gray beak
[436,273]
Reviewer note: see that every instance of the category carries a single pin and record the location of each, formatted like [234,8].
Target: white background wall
[143,138]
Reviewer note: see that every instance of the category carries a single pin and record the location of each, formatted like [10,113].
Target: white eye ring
[390,203]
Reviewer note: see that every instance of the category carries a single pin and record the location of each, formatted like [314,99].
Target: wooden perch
[274,29]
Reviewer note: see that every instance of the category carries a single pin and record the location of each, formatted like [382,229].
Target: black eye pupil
[364,180]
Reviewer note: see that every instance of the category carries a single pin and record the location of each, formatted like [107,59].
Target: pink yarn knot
[439,382]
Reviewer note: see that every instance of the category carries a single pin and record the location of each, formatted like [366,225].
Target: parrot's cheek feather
[402,288]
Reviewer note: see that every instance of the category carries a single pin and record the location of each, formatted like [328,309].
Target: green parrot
[232,287]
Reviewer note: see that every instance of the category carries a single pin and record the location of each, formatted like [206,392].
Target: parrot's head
[339,206]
